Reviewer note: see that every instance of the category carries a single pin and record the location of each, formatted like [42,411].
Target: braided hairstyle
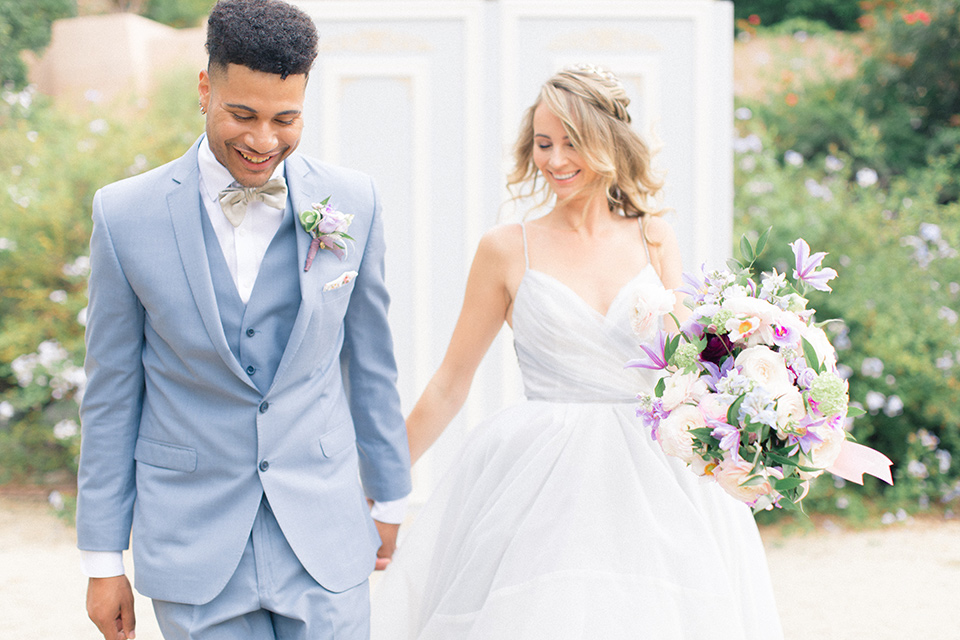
[263,35]
[592,105]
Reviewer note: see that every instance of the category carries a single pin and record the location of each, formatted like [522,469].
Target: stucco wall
[111,55]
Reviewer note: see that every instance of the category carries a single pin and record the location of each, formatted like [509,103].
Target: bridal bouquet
[750,395]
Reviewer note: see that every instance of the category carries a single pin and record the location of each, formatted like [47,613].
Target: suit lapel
[301,198]
[185,211]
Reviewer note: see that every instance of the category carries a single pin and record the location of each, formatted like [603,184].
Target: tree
[178,13]
[26,26]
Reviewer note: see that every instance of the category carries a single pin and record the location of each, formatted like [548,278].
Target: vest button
[264,465]
[250,333]
[264,406]
[251,370]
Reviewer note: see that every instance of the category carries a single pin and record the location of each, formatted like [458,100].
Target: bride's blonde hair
[592,105]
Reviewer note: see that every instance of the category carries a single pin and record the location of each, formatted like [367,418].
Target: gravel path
[898,583]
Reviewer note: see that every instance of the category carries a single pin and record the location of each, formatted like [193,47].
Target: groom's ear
[203,88]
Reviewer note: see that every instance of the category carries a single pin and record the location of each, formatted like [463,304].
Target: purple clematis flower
[809,438]
[654,357]
[695,286]
[808,266]
[729,437]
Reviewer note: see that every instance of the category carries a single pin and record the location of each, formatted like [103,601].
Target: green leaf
[671,347]
[733,413]
[810,354]
[791,462]
[762,240]
[661,385]
[701,433]
[853,412]
[746,251]
[786,484]
[735,266]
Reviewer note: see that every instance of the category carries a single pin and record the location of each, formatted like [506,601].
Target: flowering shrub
[902,107]
[53,162]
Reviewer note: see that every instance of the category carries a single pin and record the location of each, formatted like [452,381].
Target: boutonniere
[328,228]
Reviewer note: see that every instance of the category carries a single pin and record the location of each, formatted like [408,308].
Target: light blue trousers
[270,597]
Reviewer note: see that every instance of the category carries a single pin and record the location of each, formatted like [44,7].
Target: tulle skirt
[567,521]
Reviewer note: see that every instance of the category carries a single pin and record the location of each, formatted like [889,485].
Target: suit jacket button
[264,406]
[264,465]
[251,370]
[250,333]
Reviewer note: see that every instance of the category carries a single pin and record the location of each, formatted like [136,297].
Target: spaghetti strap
[643,237]
[526,257]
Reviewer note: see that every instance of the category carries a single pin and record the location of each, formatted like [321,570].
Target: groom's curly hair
[264,35]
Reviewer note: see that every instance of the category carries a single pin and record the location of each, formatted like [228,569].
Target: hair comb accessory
[599,72]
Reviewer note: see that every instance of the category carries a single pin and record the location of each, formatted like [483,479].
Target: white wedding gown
[563,519]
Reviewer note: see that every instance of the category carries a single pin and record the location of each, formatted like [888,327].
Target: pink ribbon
[855,460]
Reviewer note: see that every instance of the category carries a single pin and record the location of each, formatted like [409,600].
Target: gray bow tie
[234,199]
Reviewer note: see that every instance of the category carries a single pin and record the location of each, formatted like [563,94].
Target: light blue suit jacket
[175,434]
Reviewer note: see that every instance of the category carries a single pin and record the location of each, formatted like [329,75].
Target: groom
[236,401]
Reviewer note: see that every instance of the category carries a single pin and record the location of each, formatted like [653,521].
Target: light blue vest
[257,332]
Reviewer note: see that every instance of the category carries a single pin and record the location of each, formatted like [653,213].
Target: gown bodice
[570,352]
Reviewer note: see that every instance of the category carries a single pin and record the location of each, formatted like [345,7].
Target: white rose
[730,476]
[765,367]
[821,344]
[653,301]
[682,387]
[673,432]
[822,454]
[790,408]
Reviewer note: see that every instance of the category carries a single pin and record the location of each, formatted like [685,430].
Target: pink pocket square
[344,278]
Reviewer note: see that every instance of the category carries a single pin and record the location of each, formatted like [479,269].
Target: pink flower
[917,16]
[737,478]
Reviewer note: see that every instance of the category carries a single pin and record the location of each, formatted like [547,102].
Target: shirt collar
[214,177]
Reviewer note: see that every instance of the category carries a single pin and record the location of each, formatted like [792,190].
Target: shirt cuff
[101,564]
[390,511]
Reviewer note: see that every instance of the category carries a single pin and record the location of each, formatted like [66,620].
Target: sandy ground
[899,582]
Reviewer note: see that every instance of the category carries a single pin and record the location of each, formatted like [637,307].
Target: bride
[562,518]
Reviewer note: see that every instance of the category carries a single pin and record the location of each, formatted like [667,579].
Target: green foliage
[26,26]
[178,13]
[54,160]
[835,14]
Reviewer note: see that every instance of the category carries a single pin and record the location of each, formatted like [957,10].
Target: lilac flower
[651,412]
[654,357]
[808,266]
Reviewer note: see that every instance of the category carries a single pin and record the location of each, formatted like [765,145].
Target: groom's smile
[254,119]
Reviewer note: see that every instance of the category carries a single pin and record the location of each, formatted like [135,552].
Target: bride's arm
[485,304]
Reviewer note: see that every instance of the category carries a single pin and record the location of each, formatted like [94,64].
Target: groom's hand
[388,543]
[110,606]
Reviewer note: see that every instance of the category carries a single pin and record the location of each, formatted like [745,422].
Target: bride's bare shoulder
[658,231]
[503,242]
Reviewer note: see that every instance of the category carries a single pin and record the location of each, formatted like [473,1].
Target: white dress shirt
[243,248]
